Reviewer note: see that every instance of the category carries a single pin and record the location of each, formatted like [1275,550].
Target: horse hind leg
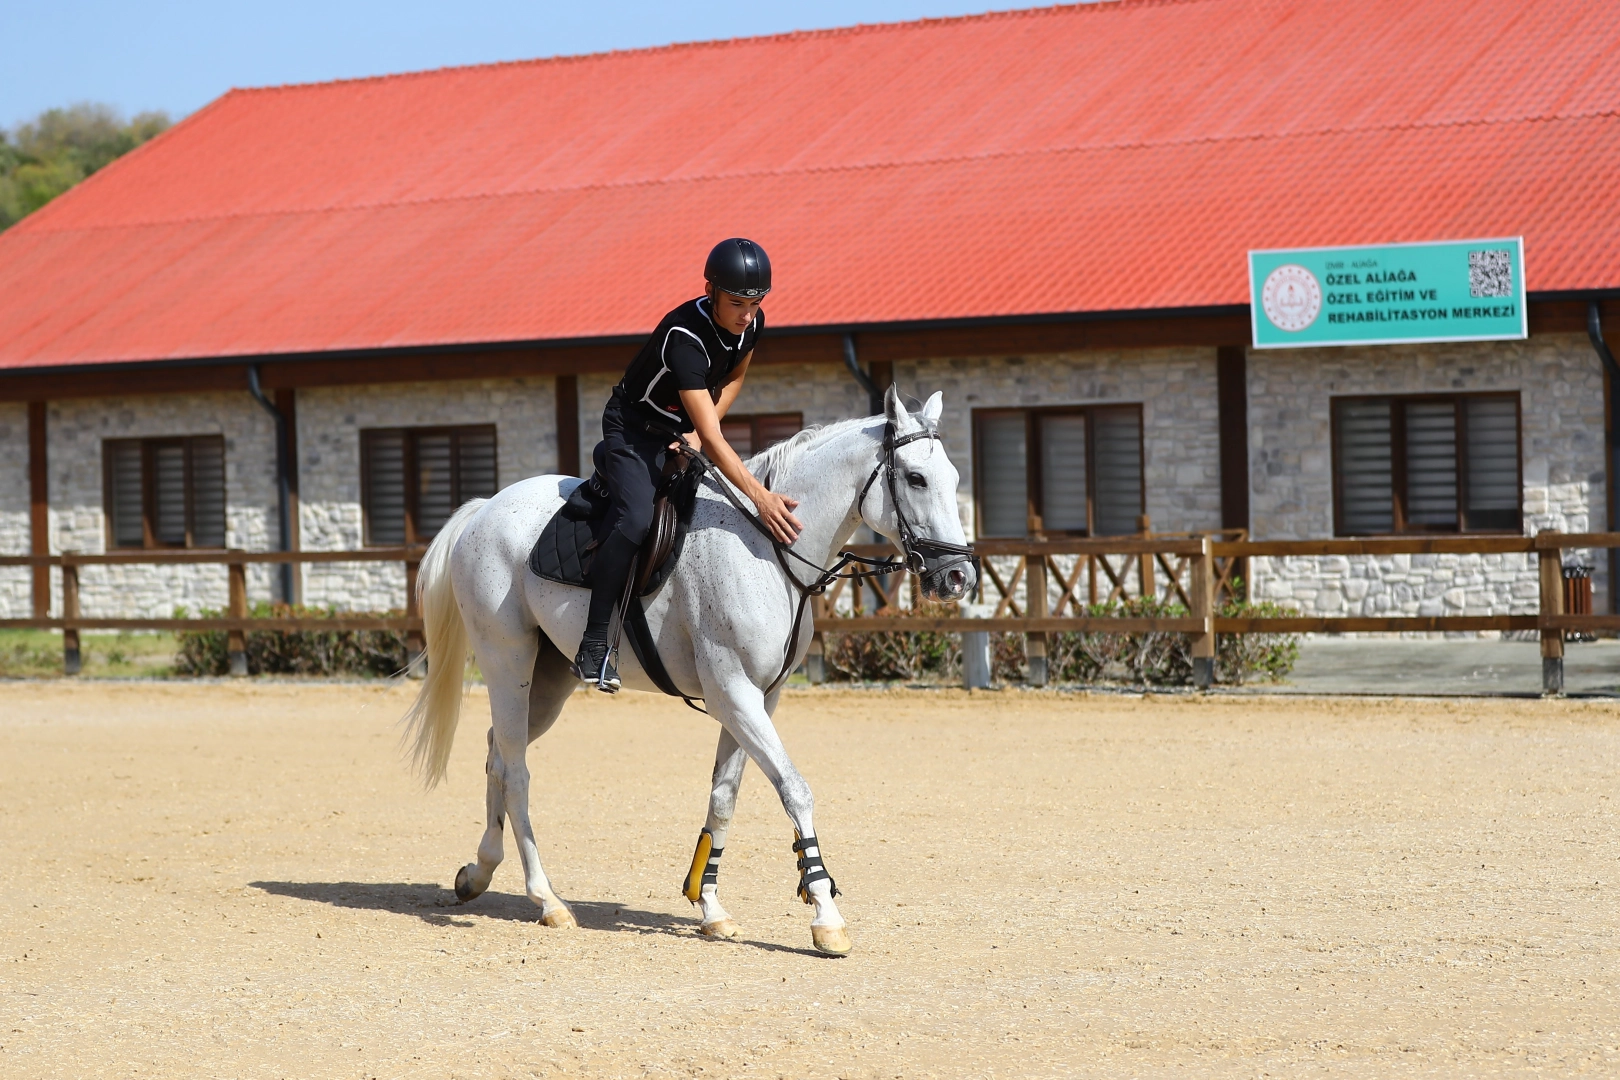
[702,885]
[474,878]
[549,688]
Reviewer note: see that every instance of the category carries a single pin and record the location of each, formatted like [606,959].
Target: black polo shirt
[687,352]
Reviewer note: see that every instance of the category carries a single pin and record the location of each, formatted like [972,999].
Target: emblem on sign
[1291,297]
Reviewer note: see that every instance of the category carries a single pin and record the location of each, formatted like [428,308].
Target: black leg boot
[608,573]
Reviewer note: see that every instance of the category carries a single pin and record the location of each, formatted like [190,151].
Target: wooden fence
[1037,587]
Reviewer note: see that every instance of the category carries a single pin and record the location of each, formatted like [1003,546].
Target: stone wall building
[1046,220]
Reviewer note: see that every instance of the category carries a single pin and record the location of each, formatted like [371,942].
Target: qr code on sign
[1490,273]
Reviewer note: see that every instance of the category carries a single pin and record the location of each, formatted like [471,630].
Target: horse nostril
[957,579]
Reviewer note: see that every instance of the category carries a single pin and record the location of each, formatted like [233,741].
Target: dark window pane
[1366,487]
[385,486]
[435,486]
[208,492]
[1119,470]
[124,461]
[1493,463]
[1003,480]
[778,428]
[1063,473]
[169,493]
[738,431]
[475,465]
[1431,464]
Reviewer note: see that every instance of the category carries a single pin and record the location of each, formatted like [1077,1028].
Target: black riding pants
[630,460]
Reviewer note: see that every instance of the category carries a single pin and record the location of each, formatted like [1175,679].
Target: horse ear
[894,409]
[932,408]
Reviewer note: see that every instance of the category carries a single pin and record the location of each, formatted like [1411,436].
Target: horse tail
[430,725]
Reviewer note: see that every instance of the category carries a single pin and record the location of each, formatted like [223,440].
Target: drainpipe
[283,483]
[874,396]
[1594,330]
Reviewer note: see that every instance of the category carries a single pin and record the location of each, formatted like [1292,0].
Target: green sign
[1467,290]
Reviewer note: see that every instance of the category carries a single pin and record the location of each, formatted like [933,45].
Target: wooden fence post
[71,662]
[1144,562]
[236,640]
[1203,608]
[1035,607]
[1552,603]
[415,642]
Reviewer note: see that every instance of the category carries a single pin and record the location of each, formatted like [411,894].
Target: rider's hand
[776,512]
[693,440]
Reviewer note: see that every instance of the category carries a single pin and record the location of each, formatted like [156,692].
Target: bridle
[917,549]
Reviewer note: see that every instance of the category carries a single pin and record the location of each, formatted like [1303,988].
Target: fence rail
[1037,587]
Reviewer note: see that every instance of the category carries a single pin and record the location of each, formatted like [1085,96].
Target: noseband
[917,549]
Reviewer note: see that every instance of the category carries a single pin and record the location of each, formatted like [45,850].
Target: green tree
[59,148]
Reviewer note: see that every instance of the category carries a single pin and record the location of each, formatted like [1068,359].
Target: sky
[177,55]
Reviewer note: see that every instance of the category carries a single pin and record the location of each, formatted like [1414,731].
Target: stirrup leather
[705,867]
[811,867]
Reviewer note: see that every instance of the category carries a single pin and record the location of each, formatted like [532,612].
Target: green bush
[294,652]
[1155,658]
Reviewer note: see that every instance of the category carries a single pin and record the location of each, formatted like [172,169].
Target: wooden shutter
[1063,473]
[125,508]
[383,477]
[168,471]
[1492,466]
[1118,447]
[773,428]
[1363,459]
[475,464]
[1431,464]
[738,432]
[1002,475]
[207,491]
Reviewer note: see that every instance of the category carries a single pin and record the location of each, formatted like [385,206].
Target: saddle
[567,545]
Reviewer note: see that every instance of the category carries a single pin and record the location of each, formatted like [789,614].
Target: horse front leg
[702,884]
[741,707]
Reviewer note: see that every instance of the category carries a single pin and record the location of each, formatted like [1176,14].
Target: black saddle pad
[560,553]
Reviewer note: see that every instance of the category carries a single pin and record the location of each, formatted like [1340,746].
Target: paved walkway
[1394,666]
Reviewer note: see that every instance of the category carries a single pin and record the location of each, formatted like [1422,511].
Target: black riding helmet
[739,267]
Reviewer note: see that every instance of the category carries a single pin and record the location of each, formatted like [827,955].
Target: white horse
[722,622]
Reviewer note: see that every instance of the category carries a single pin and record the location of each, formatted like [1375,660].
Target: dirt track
[241,881]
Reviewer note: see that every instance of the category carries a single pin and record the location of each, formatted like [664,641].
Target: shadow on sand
[438,906]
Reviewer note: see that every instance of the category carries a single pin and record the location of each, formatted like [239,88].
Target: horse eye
[917,480]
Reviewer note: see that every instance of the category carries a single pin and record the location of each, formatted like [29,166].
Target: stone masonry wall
[523,411]
[16,596]
[75,430]
[1290,470]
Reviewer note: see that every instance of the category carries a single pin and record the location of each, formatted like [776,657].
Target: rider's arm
[732,386]
[776,511]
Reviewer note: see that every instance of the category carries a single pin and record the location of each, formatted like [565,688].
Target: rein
[914,546]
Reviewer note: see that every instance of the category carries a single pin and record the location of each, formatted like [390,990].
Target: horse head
[918,508]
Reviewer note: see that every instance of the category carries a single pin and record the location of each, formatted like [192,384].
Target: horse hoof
[723,930]
[464,888]
[831,940]
[561,918]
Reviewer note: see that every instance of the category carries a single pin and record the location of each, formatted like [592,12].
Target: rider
[684,379]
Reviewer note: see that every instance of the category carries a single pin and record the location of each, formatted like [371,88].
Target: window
[1063,471]
[1430,463]
[165,492]
[413,479]
[761,431]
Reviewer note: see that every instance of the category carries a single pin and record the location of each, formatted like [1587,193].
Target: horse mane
[772,463]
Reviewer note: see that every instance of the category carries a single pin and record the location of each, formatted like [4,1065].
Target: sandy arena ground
[242,881]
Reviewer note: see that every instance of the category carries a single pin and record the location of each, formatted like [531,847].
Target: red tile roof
[1100,157]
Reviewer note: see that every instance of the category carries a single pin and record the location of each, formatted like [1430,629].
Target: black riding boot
[608,573]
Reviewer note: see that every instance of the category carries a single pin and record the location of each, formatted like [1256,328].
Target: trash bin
[1578,598]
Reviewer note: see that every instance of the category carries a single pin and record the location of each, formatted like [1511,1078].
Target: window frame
[148,446]
[1398,461]
[410,435]
[1034,477]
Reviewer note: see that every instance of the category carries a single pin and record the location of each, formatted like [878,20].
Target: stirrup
[603,675]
